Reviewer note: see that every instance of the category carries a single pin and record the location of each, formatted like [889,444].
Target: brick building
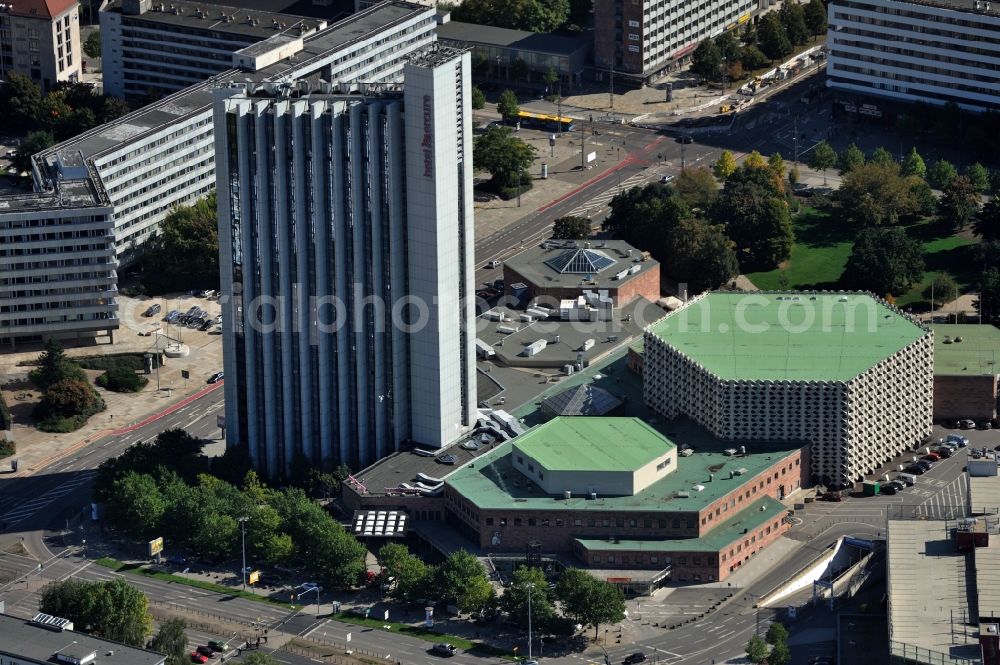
[700,514]
[558,270]
[965,371]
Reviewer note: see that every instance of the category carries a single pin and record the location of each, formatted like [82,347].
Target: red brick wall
[604,32]
[646,283]
[965,397]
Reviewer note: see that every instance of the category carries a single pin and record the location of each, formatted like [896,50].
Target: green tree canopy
[588,600]
[777,164]
[752,58]
[753,209]
[959,203]
[823,157]
[702,256]
[411,576]
[776,633]
[979,176]
[793,18]
[850,158]
[876,194]
[528,582]
[729,46]
[54,366]
[696,188]
[530,15]
[571,228]
[724,166]
[772,37]
[68,398]
[942,289]
[20,98]
[186,253]
[503,155]
[507,105]
[882,157]
[137,505]
[757,650]
[913,164]
[171,640]
[988,301]
[33,143]
[815,17]
[706,61]
[112,609]
[884,261]
[941,173]
[644,217]
[478,98]
[92,44]
[987,225]
[461,581]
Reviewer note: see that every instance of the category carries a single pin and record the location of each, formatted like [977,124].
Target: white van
[907,479]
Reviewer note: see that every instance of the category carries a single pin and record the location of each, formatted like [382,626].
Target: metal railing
[900,652]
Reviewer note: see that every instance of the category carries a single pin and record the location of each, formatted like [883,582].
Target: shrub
[122,380]
[134,362]
[7,448]
[66,406]
[5,418]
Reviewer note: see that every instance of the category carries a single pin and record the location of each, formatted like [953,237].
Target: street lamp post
[243,543]
[531,587]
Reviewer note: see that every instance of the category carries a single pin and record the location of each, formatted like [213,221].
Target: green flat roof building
[844,371]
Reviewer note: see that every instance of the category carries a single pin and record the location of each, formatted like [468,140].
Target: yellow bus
[545,121]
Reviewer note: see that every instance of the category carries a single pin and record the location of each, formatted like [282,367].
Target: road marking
[29,508]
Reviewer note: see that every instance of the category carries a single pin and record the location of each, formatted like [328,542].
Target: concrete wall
[646,284]
[958,397]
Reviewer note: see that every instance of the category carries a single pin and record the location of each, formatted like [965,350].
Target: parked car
[967,424]
[831,496]
[206,650]
[495,263]
[924,464]
[444,649]
[916,470]
[931,457]
[958,439]
[906,478]
[198,657]
[667,179]
[637,657]
[944,452]
[218,645]
[152,310]
[888,488]
[215,378]
[984,424]
[895,486]
[171,315]
[206,325]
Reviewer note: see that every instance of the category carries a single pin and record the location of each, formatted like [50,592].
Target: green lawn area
[424,634]
[823,243]
[136,569]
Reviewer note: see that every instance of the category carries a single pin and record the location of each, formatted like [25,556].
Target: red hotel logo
[428,138]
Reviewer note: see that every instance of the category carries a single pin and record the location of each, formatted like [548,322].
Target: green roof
[589,443]
[492,483]
[787,336]
[750,518]
[977,354]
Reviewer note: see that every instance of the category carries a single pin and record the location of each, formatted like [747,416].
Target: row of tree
[530,15]
[773,37]
[67,110]
[772,649]
[461,581]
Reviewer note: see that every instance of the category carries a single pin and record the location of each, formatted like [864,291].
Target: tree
[530,15]
[70,599]
[941,173]
[113,108]
[696,188]
[411,576]
[171,640]
[33,143]
[773,39]
[528,582]
[757,650]
[478,98]
[54,366]
[724,166]
[776,633]
[137,505]
[645,216]
[588,600]
[92,44]
[988,302]
[884,261]
[571,228]
[882,157]
[793,175]
[122,380]
[461,581]
[874,194]
[20,98]
[850,158]
[68,398]
[987,225]
[706,60]
[579,13]
[793,18]
[755,160]
[942,289]
[823,157]
[776,164]
[503,155]
[979,176]
[753,209]
[702,256]
[959,203]
[913,164]
[780,654]
[112,609]
[815,16]
[507,105]
[186,253]
[752,58]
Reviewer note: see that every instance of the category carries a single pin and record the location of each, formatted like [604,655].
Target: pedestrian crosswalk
[29,507]
[604,198]
[946,497]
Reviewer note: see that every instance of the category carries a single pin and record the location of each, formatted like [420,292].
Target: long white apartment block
[346,239]
[930,51]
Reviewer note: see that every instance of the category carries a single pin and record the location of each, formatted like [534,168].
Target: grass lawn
[823,244]
[136,569]
[424,634]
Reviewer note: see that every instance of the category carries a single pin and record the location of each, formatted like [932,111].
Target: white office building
[346,239]
[931,51]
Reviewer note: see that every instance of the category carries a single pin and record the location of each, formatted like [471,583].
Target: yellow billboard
[155,546]
[254,577]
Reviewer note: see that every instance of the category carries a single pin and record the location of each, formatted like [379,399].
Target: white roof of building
[984,494]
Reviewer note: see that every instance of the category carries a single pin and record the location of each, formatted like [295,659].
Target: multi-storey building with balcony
[641,39]
[928,51]
[346,239]
[57,264]
[40,39]
[154,48]
[845,372]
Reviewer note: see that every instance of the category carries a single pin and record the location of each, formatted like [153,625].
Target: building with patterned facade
[346,239]
[845,372]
